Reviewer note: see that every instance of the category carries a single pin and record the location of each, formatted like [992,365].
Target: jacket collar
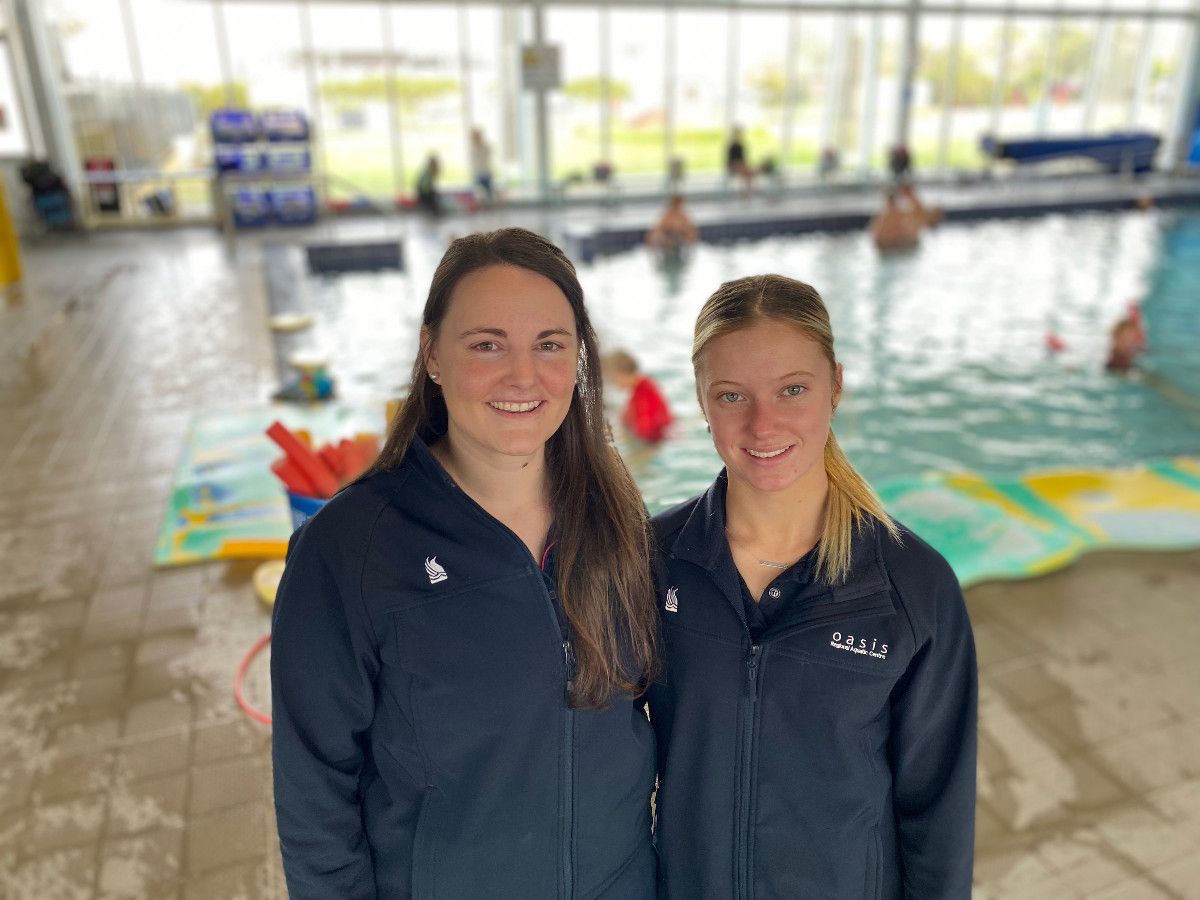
[702,541]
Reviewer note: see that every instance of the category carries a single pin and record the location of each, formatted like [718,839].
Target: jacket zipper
[742,875]
[566,823]
[743,859]
[567,855]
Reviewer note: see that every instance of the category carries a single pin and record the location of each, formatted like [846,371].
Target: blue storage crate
[251,207]
[294,205]
[284,125]
[285,159]
[234,126]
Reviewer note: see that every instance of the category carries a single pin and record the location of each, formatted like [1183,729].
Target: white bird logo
[435,572]
[672,604]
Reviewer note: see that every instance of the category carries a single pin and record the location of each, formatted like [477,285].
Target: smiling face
[505,357]
[768,392]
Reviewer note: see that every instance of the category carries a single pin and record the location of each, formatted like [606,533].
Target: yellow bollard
[10,250]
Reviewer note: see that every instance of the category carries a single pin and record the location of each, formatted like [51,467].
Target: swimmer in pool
[895,228]
[674,229]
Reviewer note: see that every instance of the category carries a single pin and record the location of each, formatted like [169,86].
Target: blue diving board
[1125,151]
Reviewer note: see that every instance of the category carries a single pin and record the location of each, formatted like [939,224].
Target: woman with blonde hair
[816,717]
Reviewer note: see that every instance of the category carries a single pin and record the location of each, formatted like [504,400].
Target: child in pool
[646,414]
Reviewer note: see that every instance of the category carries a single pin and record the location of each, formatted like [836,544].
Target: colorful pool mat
[226,504]
[998,528]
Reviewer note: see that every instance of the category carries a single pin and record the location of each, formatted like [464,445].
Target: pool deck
[127,769]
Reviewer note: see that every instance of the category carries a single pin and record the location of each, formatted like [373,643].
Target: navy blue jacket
[423,744]
[835,757]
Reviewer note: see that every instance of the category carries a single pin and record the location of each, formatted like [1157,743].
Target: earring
[433,376]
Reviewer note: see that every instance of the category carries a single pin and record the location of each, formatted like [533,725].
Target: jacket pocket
[874,882]
[424,856]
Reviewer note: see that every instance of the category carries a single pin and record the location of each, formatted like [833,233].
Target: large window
[388,84]
[701,86]
[815,87]
[576,113]
[353,117]
[429,90]
[761,45]
[638,77]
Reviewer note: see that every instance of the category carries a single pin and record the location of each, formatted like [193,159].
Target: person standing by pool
[736,165]
[428,197]
[481,165]
[816,716]
[461,637]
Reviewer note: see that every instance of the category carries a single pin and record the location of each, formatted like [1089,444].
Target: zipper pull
[752,671]
[569,665]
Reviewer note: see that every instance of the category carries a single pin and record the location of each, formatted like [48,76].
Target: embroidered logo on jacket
[672,604]
[860,645]
[435,572]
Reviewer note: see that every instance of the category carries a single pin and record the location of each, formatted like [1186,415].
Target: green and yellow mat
[993,528]
[227,504]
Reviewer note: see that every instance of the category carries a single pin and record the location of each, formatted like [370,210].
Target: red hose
[240,675]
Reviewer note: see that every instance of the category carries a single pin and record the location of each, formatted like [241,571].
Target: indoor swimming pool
[945,349]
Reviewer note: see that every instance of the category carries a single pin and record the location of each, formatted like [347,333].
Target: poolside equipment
[239,678]
[10,250]
[354,256]
[320,472]
[1118,152]
[51,198]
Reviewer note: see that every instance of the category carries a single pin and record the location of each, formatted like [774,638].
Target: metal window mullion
[224,58]
[732,46]
[789,90]
[870,94]
[1141,72]
[834,78]
[1001,83]
[464,74]
[395,138]
[541,115]
[1178,119]
[605,38]
[1101,47]
[133,51]
[908,71]
[669,66]
[316,128]
[949,91]
[1052,41]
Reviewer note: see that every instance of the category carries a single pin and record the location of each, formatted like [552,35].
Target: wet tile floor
[127,771]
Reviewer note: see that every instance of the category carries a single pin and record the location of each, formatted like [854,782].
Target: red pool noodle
[310,464]
[293,479]
[329,454]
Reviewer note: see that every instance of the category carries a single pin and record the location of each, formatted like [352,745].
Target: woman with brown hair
[462,636]
[816,719]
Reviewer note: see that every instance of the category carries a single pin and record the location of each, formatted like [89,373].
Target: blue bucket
[303,508]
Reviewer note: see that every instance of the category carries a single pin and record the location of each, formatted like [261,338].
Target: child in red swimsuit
[646,414]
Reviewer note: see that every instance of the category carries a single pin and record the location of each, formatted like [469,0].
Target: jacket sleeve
[933,752]
[323,666]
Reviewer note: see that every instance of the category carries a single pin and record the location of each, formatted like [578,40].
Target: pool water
[944,349]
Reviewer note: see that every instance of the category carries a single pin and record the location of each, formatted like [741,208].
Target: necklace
[772,565]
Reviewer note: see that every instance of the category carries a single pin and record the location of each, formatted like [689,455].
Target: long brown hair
[745,302]
[603,569]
